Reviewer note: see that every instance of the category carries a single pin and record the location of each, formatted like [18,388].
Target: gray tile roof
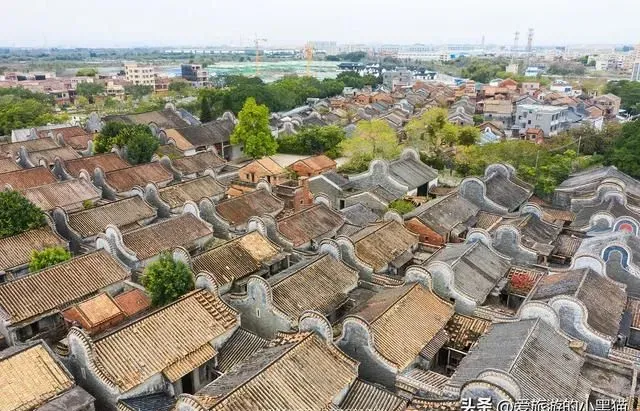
[152,402]
[359,215]
[241,345]
[411,173]
[366,396]
[506,192]
[477,269]
[531,351]
[443,214]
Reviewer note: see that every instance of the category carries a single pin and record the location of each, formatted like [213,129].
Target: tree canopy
[625,151]
[138,91]
[628,91]
[137,138]
[89,90]
[48,257]
[371,139]
[431,131]
[20,108]
[17,214]
[253,130]
[402,206]
[167,280]
[313,140]
[87,71]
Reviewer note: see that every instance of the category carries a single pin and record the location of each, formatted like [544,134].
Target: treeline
[281,95]
[21,108]
[628,91]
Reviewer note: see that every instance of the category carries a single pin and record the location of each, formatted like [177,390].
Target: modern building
[550,119]
[196,74]
[397,78]
[140,74]
[635,71]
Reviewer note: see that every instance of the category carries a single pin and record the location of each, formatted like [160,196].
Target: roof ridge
[304,266]
[294,344]
[535,325]
[39,272]
[380,226]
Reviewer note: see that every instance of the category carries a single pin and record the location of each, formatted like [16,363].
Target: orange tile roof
[310,224]
[95,311]
[27,178]
[377,245]
[8,164]
[319,162]
[68,195]
[107,162]
[126,179]
[133,302]
[270,165]
[238,210]
[192,190]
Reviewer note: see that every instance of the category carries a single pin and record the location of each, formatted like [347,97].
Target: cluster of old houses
[509,109]
[309,294]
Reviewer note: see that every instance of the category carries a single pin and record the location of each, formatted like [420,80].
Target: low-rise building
[140,74]
[195,74]
[550,119]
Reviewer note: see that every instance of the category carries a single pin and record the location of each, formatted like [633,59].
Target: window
[529,122]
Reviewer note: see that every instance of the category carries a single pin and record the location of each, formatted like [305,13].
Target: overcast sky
[122,23]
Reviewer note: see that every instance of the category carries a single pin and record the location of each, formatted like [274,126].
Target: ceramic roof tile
[16,250]
[380,244]
[58,286]
[237,258]
[125,179]
[107,162]
[309,224]
[69,195]
[240,346]
[193,190]
[27,178]
[48,157]
[198,163]
[131,355]
[366,396]
[306,373]
[181,231]
[30,378]
[321,285]
[238,210]
[123,214]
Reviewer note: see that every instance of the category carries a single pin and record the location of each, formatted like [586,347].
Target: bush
[48,257]
[402,206]
[17,214]
[140,147]
[140,143]
[167,280]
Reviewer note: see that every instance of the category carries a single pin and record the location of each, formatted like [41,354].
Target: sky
[127,23]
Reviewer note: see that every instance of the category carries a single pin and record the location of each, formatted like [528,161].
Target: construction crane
[308,54]
[257,44]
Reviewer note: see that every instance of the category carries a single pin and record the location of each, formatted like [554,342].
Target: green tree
[628,91]
[87,72]
[22,109]
[402,206]
[141,144]
[468,135]
[138,91]
[205,110]
[48,257]
[373,138]
[313,140]
[253,130]
[107,138]
[89,90]
[17,214]
[625,153]
[167,280]
[478,119]
[181,87]
[431,131]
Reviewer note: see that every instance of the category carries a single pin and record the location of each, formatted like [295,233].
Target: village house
[197,165]
[231,263]
[263,168]
[172,199]
[33,378]
[443,220]
[215,136]
[131,361]
[70,195]
[322,375]
[379,248]
[52,290]
[140,247]
[232,215]
[16,250]
[274,304]
[45,158]
[126,182]
[313,166]
[23,179]
[587,184]
[69,169]
[387,356]
[500,191]
[305,229]
[81,228]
